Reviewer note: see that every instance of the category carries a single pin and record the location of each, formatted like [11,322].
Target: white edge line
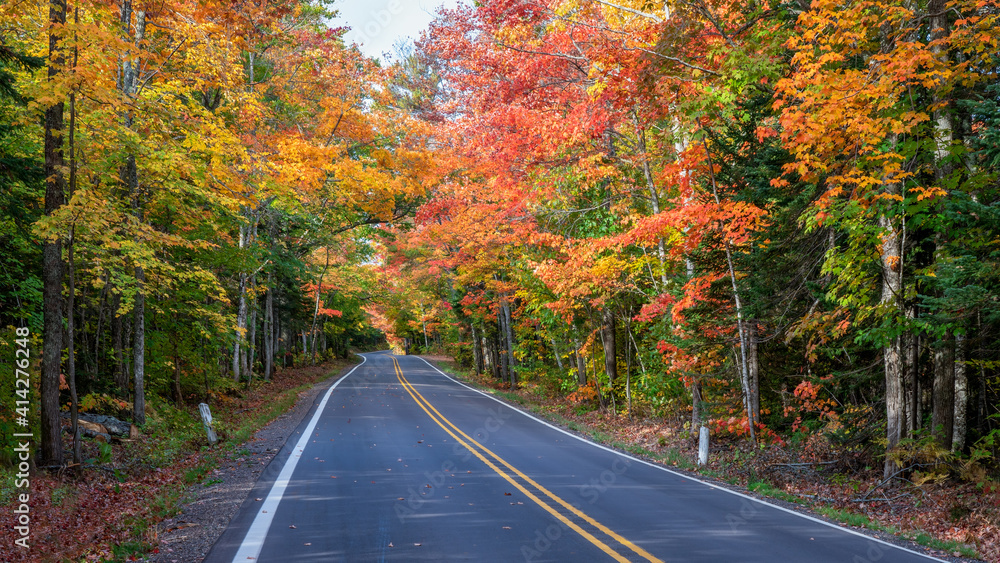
[257,533]
[688,477]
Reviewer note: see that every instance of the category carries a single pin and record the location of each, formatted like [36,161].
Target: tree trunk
[753,369]
[52,264]
[269,329]
[509,337]
[556,354]
[71,263]
[74,404]
[497,358]
[502,349]
[129,176]
[697,419]
[944,135]
[178,396]
[120,373]
[139,350]
[608,341]
[423,325]
[319,292]
[891,353]
[241,315]
[917,391]
[654,200]
[252,327]
[477,350]
[911,343]
[628,365]
[581,364]
[942,416]
[748,392]
[961,395]
[892,283]
[102,303]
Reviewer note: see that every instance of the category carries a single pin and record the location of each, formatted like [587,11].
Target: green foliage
[849,518]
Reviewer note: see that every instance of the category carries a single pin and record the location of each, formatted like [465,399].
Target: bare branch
[657,19]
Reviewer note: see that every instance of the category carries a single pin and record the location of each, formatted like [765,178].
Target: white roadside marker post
[206,419]
[703,446]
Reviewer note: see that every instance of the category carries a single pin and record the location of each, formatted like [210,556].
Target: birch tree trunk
[241,314]
[129,176]
[891,262]
[697,417]
[753,368]
[654,200]
[608,327]
[315,321]
[961,395]
[749,388]
[556,354]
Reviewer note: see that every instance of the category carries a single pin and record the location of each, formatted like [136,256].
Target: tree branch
[657,19]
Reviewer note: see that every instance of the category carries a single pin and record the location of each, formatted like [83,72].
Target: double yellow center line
[481,451]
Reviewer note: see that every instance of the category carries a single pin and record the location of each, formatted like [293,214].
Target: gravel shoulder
[209,506]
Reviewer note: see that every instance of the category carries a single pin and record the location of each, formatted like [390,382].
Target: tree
[52,260]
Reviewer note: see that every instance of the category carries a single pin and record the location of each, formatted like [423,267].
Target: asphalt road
[398,462]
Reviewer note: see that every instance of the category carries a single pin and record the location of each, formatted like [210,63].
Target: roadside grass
[766,489]
[856,520]
[673,456]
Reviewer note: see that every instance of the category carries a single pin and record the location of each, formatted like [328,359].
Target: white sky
[376,25]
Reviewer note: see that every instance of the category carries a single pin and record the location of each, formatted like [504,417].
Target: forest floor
[952,519]
[120,504]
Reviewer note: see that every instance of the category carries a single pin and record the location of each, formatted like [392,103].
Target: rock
[92,426]
[107,425]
